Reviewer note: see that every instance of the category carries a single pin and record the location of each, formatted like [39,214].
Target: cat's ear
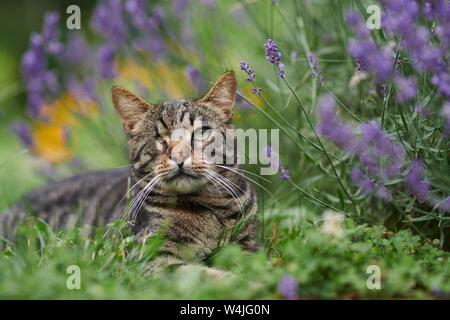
[130,107]
[222,95]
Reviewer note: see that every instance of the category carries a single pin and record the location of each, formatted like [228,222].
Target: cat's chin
[184,184]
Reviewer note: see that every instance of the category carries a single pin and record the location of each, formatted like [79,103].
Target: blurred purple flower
[445,114]
[108,21]
[106,58]
[364,183]
[288,287]
[275,162]
[444,205]
[414,181]
[442,81]
[50,33]
[331,127]
[23,132]
[137,10]
[379,153]
[76,50]
[210,4]
[242,103]
[84,89]
[406,89]
[35,74]
[158,15]
[151,43]
[354,19]
[179,6]
[372,58]
[194,77]
[314,65]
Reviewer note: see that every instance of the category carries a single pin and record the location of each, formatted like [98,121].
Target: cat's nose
[179,154]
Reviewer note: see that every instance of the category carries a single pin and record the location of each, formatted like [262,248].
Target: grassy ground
[325,267]
[326,257]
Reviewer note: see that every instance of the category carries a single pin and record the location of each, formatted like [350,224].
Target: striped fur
[198,204]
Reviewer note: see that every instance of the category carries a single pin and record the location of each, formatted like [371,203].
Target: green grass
[114,267]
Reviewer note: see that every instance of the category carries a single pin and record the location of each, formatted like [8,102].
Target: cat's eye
[202,134]
[164,146]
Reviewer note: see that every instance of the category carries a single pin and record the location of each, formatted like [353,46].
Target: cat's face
[167,141]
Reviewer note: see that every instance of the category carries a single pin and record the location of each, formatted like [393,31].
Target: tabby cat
[197,204]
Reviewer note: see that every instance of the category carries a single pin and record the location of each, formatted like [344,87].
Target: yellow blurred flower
[50,134]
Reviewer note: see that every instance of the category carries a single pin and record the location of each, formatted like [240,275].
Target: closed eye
[164,146]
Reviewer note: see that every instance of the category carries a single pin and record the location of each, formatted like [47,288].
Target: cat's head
[166,139]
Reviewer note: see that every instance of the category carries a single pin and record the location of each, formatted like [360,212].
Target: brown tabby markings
[198,204]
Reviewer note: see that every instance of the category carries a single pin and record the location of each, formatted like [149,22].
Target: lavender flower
[179,6]
[359,27]
[137,10]
[50,33]
[257,90]
[251,75]
[276,163]
[83,89]
[193,75]
[406,89]
[365,184]
[381,159]
[248,70]
[288,287]
[372,58]
[314,65]
[151,43]
[379,153]
[273,55]
[106,58]
[23,132]
[108,21]
[76,50]
[414,181]
[35,74]
[445,114]
[444,205]
[331,127]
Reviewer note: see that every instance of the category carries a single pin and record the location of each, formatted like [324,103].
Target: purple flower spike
[445,114]
[244,66]
[276,163]
[106,58]
[365,184]
[419,187]
[23,132]
[194,77]
[406,89]
[248,70]
[331,127]
[288,287]
[50,33]
[273,55]
[108,21]
[314,65]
